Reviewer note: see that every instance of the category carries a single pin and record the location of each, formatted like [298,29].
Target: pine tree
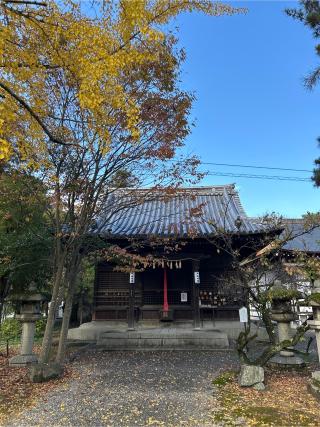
[309,15]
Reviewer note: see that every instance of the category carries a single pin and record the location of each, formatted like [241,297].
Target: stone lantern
[281,312]
[314,324]
[28,314]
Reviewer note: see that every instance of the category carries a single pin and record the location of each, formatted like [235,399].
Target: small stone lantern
[28,314]
[314,324]
[281,312]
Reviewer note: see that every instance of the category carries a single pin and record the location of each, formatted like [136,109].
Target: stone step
[163,339]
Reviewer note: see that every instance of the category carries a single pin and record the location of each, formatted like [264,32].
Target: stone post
[281,312]
[314,324]
[29,313]
[131,301]
[28,329]
[196,294]
[284,320]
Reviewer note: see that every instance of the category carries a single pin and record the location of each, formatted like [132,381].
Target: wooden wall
[111,296]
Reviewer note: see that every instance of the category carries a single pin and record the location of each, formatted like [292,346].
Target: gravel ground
[169,388]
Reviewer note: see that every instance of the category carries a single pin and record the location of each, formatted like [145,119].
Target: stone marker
[251,375]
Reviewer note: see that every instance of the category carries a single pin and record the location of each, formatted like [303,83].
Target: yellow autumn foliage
[90,46]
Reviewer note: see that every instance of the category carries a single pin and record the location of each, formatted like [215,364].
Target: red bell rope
[165,292]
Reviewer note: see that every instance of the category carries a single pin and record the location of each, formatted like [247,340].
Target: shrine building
[179,233]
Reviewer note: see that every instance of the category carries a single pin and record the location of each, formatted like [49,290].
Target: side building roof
[196,211]
[307,240]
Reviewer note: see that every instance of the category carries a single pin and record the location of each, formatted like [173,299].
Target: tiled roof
[305,240]
[197,211]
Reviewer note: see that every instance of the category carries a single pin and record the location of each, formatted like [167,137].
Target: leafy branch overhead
[90,52]
[309,15]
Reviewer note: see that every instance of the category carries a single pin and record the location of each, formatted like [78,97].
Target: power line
[273,177]
[256,167]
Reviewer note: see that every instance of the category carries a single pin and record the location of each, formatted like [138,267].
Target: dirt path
[134,389]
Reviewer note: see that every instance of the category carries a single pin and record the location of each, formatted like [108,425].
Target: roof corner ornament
[238,223]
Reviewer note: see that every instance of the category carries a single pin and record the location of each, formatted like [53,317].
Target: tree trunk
[68,309]
[267,321]
[244,338]
[60,256]
[4,291]
[48,334]
[80,309]
[1,310]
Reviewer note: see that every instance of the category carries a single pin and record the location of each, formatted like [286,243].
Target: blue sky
[252,108]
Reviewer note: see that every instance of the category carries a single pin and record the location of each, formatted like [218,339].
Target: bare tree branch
[25,2]
[36,117]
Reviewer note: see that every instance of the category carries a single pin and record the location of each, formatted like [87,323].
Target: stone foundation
[90,332]
[163,339]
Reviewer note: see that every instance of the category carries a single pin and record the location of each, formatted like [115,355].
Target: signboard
[196,277]
[243,315]
[184,297]
[132,278]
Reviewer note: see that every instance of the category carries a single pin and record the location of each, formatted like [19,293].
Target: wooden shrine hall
[178,235]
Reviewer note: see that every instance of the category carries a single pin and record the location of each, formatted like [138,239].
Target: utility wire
[256,167]
[273,177]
